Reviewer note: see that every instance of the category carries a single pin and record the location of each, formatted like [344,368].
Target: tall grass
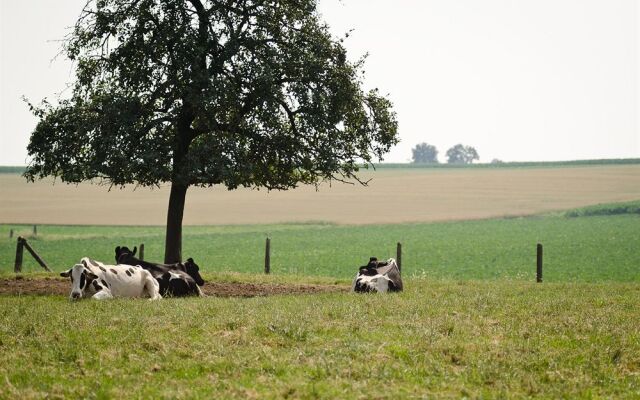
[443,339]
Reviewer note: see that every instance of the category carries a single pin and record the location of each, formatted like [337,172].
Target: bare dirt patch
[56,287]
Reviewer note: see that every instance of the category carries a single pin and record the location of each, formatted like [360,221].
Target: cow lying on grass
[174,279]
[93,279]
[378,276]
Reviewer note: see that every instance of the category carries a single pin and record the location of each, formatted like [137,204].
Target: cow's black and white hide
[378,276]
[94,279]
[176,280]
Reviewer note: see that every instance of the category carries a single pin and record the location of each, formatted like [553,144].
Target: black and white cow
[94,279]
[378,276]
[174,279]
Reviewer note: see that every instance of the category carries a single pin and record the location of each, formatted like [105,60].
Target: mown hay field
[393,196]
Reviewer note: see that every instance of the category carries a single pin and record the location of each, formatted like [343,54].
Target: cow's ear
[91,275]
[65,274]
[135,248]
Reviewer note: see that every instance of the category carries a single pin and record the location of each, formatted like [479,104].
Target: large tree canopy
[205,92]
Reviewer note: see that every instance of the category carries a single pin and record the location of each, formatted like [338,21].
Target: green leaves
[240,93]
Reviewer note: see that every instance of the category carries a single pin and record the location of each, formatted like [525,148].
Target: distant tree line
[425,153]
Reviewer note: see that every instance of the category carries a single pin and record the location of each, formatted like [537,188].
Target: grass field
[442,339]
[394,196]
[471,323]
[583,249]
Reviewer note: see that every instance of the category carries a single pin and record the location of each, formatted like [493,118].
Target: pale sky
[519,80]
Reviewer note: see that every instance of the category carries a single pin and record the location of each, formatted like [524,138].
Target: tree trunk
[173,239]
[184,136]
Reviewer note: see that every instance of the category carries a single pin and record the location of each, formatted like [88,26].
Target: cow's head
[124,253]
[81,278]
[193,270]
[370,268]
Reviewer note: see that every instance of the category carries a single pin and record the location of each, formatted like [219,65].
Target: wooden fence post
[10,233]
[539,263]
[267,257]
[35,255]
[35,230]
[399,256]
[19,251]
[141,254]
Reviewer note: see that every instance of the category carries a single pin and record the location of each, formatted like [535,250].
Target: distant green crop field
[11,169]
[508,164]
[438,339]
[515,164]
[630,207]
[586,249]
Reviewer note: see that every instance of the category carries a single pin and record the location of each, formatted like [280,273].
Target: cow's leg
[151,286]
[103,294]
[383,284]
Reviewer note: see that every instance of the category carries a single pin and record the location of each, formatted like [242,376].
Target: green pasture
[438,339]
[470,324]
[582,249]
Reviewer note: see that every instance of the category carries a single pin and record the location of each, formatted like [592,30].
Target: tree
[425,153]
[460,154]
[241,93]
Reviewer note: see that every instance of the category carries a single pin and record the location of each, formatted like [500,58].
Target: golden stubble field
[393,196]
